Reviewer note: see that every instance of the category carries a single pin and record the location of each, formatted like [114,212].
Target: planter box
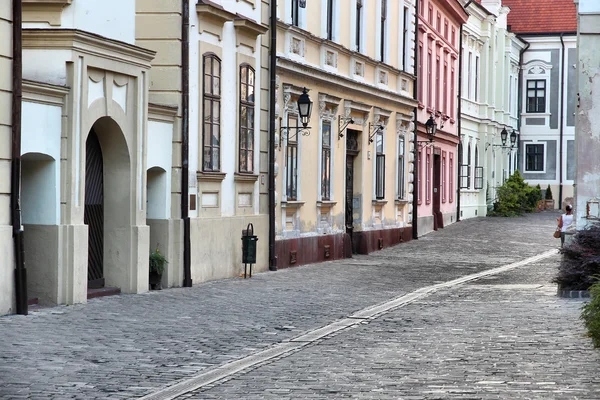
[549,204]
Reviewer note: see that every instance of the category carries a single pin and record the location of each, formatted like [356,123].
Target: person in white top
[564,221]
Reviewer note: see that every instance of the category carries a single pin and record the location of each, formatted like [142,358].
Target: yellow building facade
[344,184]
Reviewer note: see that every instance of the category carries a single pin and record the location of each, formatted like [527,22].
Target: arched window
[211,130]
[246,144]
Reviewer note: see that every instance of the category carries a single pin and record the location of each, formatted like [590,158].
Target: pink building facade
[438,72]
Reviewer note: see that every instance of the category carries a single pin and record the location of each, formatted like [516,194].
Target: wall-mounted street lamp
[343,123]
[430,129]
[304,110]
[503,136]
[374,129]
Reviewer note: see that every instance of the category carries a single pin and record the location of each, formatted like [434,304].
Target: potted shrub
[157,267]
[549,199]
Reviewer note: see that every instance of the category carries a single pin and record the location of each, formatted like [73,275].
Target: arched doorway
[94,210]
[109,206]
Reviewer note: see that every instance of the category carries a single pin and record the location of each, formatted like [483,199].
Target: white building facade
[489,105]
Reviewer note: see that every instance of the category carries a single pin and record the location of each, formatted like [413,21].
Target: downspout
[185,143]
[272,104]
[15,182]
[562,116]
[520,97]
[15,192]
[415,202]
[459,117]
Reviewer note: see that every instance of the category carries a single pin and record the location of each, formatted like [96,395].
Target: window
[451,178]
[465,169]
[534,157]
[430,16]
[477,78]
[445,29]
[470,75]
[382,28]
[536,96]
[246,154]
[438,72]
[443,176]
[438,23]
[429,79]
[453,36]
[291,157]
[428,176]
[420,81]
[359,7]
[379,167]
[419,178]
[211,131]
[330,19]
[445,99]
[421,7]
[326,161]
[405,44]
[295,12]
[452,93]
[401,190]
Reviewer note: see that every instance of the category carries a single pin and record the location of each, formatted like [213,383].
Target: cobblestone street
[505,335]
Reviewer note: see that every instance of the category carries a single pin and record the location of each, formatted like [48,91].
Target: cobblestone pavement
[131,345]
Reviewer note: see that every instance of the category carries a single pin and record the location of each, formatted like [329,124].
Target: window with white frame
[383,30]
[534,157]
[444,177]
[211,129]
[476,94]
[401,178]
[326,160]
[470,75]
[478,171]
[330,18]
[536,96]
[246,121]
[405,44]
[359,25]
[379,167]
[291,157]
[295,12]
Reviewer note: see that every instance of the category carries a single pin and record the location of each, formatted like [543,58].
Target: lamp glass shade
[304,107]
[503,136]
[513,138]
[431,127]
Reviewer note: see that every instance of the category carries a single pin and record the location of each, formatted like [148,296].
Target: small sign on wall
[302,3]
[593,209]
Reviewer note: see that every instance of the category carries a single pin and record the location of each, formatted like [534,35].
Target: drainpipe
[520,97]
[15,182]
[272,101]
[459,117]
[185,143]
[415,203]
[562,116]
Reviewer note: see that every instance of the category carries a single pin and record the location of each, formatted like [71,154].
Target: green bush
[516,197]
[591,314]
[548,193]
[157,262]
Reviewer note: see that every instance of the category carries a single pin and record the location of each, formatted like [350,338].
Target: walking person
[564,221]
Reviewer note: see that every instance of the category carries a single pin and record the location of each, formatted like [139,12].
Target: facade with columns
[440,24]
[345,183]
[102,137]
[489,105]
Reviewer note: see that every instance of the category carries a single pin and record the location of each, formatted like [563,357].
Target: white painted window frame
[545,152]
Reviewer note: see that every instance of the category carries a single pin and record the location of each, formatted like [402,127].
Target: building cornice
[87,43]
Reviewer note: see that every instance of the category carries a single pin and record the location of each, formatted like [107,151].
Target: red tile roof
[541,16]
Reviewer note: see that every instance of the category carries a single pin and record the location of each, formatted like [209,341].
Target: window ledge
[525,114]
[292,204]
[421,105]
[379,202]
[244,177]
[210,176]
[326,203]
[401,202]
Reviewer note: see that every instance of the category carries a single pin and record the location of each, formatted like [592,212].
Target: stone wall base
[369,241]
